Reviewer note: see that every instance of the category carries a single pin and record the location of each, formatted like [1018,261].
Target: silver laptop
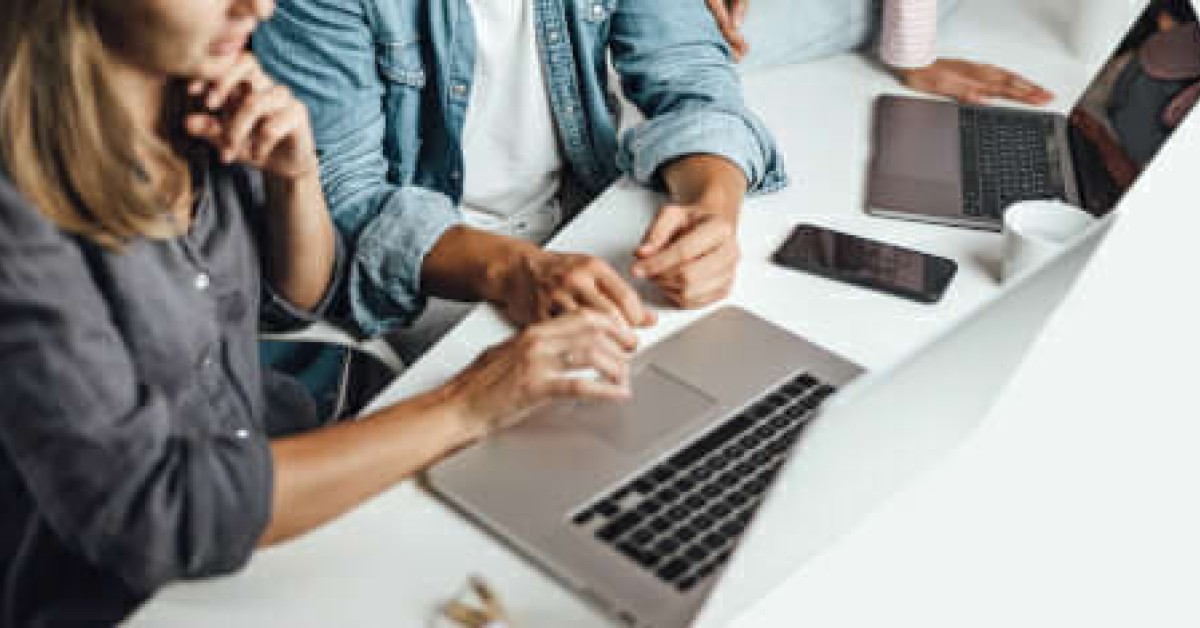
[639,507]
[885,428]
[960,165]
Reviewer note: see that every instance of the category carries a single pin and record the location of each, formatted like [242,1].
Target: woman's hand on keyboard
[535,366]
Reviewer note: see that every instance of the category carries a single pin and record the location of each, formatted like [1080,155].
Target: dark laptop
[963,165]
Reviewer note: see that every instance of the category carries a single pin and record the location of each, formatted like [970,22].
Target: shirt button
[456,175]
[459,89]
[202,281]
[570,109]
[597,10]
[242,434]
[553,36]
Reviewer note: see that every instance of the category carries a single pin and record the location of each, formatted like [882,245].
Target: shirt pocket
[402,70]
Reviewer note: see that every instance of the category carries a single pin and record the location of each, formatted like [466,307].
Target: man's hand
[973,83]
[729,15]
[691,253]
[542,285]
[691,250]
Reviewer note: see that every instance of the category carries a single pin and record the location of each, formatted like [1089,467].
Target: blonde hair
[66,141]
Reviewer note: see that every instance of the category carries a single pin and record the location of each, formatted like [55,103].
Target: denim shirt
[388,83]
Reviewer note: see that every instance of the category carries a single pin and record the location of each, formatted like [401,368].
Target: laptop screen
[1140,96]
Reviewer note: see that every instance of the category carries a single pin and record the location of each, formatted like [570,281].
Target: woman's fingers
[204,126]
[275,130]
[249,114]
[580,388]
[584,322]
[586,351]
[244,74]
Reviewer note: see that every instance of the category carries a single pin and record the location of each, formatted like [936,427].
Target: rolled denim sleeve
[117,472]
[677,69]
[325,51]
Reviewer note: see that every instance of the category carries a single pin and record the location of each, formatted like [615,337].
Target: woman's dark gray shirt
[134,415]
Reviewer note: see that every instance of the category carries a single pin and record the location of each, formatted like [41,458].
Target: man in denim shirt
[389,84]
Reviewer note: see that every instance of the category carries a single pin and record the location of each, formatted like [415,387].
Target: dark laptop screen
[1141,95]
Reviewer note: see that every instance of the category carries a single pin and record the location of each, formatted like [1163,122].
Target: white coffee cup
[1097,26]
[1036,230]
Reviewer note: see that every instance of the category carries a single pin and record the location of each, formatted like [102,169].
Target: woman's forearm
[300,236]
[321,475]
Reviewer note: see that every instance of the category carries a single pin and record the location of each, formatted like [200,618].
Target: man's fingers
[590,296]
[561,304]
[699,295]
[615,290]
[671,220]
[722,261]
[700,241]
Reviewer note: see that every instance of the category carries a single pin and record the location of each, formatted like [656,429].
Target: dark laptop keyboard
[681,519]
[1006,158]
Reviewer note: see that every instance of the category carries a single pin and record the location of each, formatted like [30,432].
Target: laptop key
[666,546]
[673,569]
[714,540]
[685,534]
[607,509]
[642,536]
[618,526]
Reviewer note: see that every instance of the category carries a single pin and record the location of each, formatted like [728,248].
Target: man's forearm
[469,264]
[707,180]
[300,240]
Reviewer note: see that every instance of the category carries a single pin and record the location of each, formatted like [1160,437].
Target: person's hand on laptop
[971,82]
[543,285]
[535,366]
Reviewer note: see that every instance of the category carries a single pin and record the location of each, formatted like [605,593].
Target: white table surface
[392,561]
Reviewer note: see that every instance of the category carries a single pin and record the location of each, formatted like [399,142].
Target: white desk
[392,561]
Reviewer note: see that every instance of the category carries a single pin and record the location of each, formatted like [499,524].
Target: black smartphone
[867,263]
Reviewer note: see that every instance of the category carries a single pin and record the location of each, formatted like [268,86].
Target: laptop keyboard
[681,519]
[1006,158]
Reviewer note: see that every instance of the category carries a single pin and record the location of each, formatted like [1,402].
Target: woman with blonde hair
[156,190]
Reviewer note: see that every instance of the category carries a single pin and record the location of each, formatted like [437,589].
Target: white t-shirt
[513,160]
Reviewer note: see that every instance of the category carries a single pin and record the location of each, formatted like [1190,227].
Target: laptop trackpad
[660,405]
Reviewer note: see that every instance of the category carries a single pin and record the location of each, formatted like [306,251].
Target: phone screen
[867,263]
